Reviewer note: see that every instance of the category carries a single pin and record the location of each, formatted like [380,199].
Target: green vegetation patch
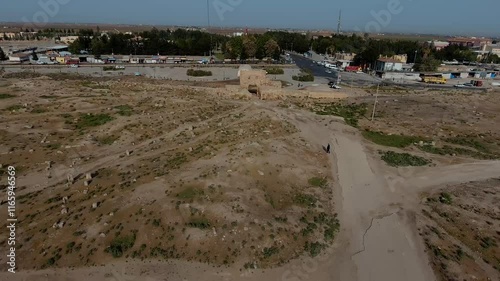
[395,159]
[198,73]
[469,142]
[445,198]
[190,193]
[399,141]
[318,182]
[14,107]
[125,110]
[6,96]
[121,244]
[350,112]
[305,200]
[449,150]
[93,120]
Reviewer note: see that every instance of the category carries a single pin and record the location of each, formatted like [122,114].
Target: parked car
[335,86]
[74,66]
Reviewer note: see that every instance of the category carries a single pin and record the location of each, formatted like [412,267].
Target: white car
[335,86]
[74,66]
[328,71]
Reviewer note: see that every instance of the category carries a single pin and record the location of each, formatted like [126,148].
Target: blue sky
[414,16]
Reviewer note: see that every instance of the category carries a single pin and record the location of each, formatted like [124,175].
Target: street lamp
[415,59]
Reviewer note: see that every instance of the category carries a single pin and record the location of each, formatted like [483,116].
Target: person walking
[328,149]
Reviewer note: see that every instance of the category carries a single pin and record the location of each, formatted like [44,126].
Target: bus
[433,78]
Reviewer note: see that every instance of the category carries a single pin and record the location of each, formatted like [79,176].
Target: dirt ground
[461,229]
[143,180]
[113,168]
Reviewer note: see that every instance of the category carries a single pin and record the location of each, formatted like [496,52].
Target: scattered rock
[58,224]
[260,173]
[85,191]
[65,199]
[64,211]
[102,235]
[95,205]
[88,176]
[86,183]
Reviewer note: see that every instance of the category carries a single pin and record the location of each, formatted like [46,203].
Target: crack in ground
[366,231]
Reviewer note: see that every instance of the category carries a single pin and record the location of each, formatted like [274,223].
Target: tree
[428,64]
[272,49]
[2,55]
[250,46]
[34,56]
[234,48]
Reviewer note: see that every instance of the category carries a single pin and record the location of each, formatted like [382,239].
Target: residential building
[472,42]
[400,58]
[438,45]
[492,48]
[344,56]
[386,64]
[68,39]
[19,57]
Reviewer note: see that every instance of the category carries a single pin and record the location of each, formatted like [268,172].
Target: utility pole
[415,59]
[208,19]
[375,103]
[339,26]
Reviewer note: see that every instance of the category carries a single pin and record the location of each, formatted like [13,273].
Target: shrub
[318,182]
[6,96]
[305,200]
[395,159]
[120,245]
[274,70]
[201,223]
[125,110]
[93,120]
[198,73]
[445,198]
[190,193]
[314,249]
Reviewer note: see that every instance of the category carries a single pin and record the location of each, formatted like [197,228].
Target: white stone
[261,173]
[95,205]
[88,176]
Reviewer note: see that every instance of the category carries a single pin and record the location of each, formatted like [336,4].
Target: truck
[353,68]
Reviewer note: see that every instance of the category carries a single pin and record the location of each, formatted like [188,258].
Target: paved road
[354,79]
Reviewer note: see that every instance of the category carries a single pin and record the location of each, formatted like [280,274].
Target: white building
[19,57]
[388,65]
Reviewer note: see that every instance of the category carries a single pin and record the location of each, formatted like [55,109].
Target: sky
[457,17]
